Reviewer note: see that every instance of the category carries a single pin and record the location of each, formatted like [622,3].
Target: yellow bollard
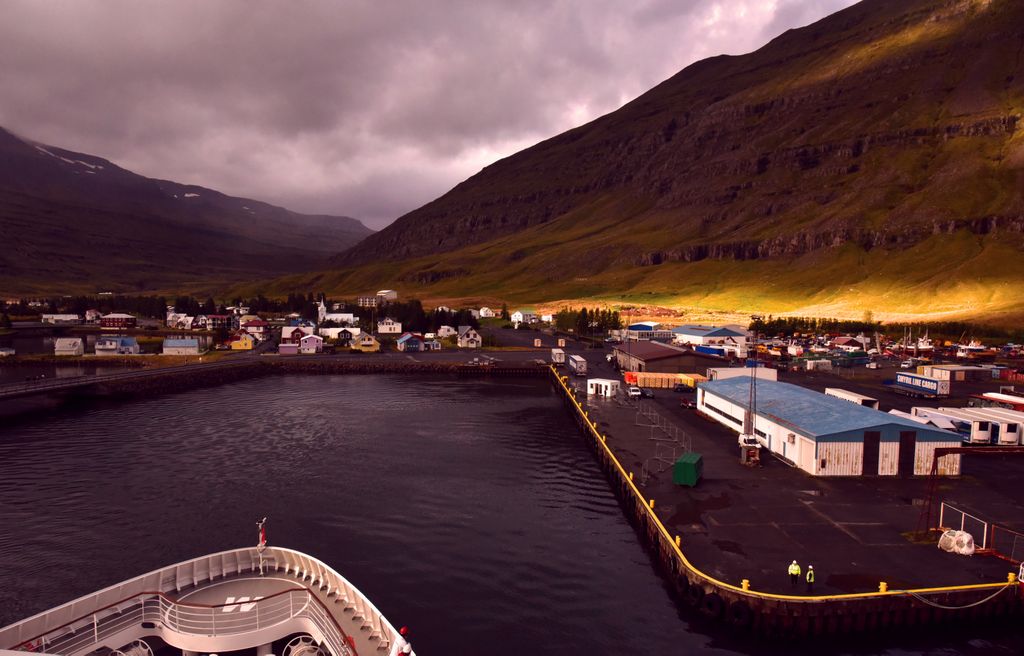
[883,586]
[1011,578]
[651,503]
[631,476]
[745,584]
[677,540]
[604,438]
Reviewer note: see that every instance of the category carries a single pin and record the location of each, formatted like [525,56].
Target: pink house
[311,344]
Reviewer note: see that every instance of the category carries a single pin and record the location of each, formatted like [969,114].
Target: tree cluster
[788,325]
[955,331]
[584,321]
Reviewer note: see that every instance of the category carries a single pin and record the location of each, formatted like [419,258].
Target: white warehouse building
[827,436]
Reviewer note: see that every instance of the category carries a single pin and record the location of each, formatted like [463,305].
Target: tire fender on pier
[695,595]
[740,614]
[712,606]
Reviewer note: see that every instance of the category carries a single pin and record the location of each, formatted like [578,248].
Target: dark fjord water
[469,510]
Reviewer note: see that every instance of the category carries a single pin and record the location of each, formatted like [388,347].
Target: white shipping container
[577,365]
[761,373]
[557,356]
[852,397]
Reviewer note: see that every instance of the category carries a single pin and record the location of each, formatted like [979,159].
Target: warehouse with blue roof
[717,340]
[825,435]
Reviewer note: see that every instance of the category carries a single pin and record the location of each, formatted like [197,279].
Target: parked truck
[922,385]
[577,365]
[557,356]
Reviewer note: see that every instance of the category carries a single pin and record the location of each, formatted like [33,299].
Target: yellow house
[243,342]
[366,343]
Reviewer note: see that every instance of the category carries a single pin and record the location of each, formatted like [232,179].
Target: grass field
[959,276]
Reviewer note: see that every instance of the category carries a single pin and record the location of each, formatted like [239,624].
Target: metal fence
[953,518]
[661,428]
[1007,543]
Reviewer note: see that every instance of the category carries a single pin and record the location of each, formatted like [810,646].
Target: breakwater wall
[787,616]
[172,379]
[149,382]
[341,366]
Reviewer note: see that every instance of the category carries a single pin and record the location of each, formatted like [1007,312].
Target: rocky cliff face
[882,125]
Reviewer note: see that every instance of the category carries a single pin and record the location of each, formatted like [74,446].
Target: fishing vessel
[256,601]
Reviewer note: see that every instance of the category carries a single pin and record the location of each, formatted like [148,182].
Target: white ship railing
[81,625]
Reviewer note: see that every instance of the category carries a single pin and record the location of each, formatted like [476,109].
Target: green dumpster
[688,469]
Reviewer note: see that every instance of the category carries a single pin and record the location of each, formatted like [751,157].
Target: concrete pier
[757,608]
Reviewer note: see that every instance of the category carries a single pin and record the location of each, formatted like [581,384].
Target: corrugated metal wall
[888,458]
[925,451]
[841,458]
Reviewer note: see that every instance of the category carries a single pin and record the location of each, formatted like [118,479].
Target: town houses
[302,325]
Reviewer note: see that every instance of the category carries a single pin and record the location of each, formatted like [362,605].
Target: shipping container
[688,469]
[557,356]
[710,350]
[852,397]
[819,365]
[722,373]
[577,365]
[662,381]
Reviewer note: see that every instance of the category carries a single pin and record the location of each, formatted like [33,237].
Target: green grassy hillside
[873,160]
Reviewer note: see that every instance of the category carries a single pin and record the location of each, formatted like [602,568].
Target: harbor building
[727,340]
[827,436]
[61,319]
[654,357]
[648,330]
[68,346]
[184,346]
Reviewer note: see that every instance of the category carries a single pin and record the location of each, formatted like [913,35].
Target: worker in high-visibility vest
[810,578]
[794,574]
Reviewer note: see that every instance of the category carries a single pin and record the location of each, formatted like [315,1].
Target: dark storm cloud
[361,108]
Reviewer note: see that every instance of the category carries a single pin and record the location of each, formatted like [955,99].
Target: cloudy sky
[365,108]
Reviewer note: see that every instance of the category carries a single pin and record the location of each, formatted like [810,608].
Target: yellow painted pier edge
[794,615]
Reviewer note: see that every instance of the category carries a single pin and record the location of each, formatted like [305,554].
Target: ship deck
[216,603]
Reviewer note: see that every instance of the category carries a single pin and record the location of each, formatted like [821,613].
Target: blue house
[117,345]
[410,343]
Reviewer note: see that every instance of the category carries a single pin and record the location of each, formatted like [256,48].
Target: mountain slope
[884,128]
[71,221]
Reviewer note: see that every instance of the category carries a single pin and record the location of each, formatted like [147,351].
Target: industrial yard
[742,522]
